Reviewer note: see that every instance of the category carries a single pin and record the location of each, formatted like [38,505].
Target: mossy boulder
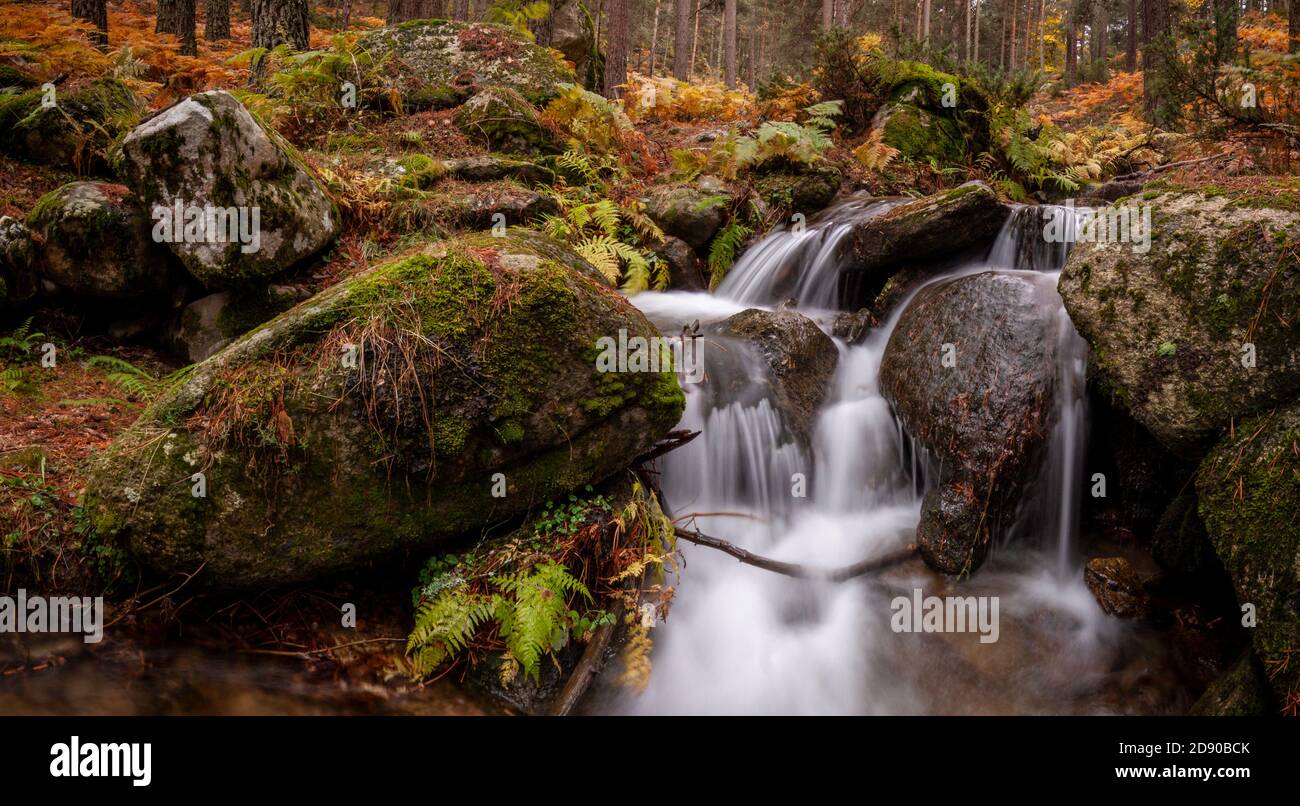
[693,213]
[926,229]
[439,64]
[371,420]
[1201,329]
[921,135]
[1240,691]
[983,405]
[804,192]
[504,120]
[208,153]
[18,282]
[1249,493]
[76,130]
[96,242]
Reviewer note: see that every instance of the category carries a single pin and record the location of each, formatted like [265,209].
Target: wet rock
[921,135]
[1181,546]
[370,420]
[502,119]
[96,242]
[1116,587]
[1249,493]
[801,362]
[208,153]
[18,281]
[1240,691]
[694,214]
[684,266]
[926,229]
[853,327]
[983,404]
[438,64]
[1201,329]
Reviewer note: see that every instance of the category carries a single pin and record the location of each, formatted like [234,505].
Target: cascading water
[743,640]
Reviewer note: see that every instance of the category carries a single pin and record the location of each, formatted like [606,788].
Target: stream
[741,640]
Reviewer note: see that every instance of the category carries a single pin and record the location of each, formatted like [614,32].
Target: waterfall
[742,640]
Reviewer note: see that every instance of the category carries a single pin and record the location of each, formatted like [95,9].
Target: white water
[739,639]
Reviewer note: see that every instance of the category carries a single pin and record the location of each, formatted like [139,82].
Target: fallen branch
[1167,166]
[672,442]
[794,570]
[588,667]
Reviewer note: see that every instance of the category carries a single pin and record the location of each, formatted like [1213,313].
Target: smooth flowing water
[739,639]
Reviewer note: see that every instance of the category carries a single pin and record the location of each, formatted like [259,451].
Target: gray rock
[438,64]
[18,281]
[209,153]
[96,242]
[694,214]
[502,119]
[684,272]
[1169,328]
[1240,691]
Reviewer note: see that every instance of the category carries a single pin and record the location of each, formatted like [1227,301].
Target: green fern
[125,375]
[722,252]
[444,626]
[21,341]
[535,620]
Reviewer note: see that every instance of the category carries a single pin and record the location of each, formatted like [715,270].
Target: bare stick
[794,570]
[1167,166]
[672,442]
[588,666]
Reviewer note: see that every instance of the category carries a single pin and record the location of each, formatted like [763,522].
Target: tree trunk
[216,25]
[1071,45]
[1293,24]
[1157,24]
[966,45]
[186,24]
[406,10]
[94,12]
[166,20]
[695,37]
[615,48]
[681,41]
[1131,54]
[1225,29]
[462,10]
[729,44]
[925,31]
[828,13]
[976,57]
[276,22]
[654,40]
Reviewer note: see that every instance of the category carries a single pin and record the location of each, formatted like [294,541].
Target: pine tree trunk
[186,24]
[1071,46]
[925,31]
[1157,25]
[654,39]
[966,47]
[828,13]
[94,12]
[1131,54]
[976,42]
[216,25]
[166,20]
[616,48]
[276,22]
[1293,24]
[729,43]
[406,10]
[681,42]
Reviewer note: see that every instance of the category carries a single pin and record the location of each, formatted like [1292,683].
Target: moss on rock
[370,420]
[1249,493]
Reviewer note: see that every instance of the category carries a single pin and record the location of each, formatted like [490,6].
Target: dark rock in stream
[925,229]
[800,358]
[1240,691]
[1116,586]
[970,370]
